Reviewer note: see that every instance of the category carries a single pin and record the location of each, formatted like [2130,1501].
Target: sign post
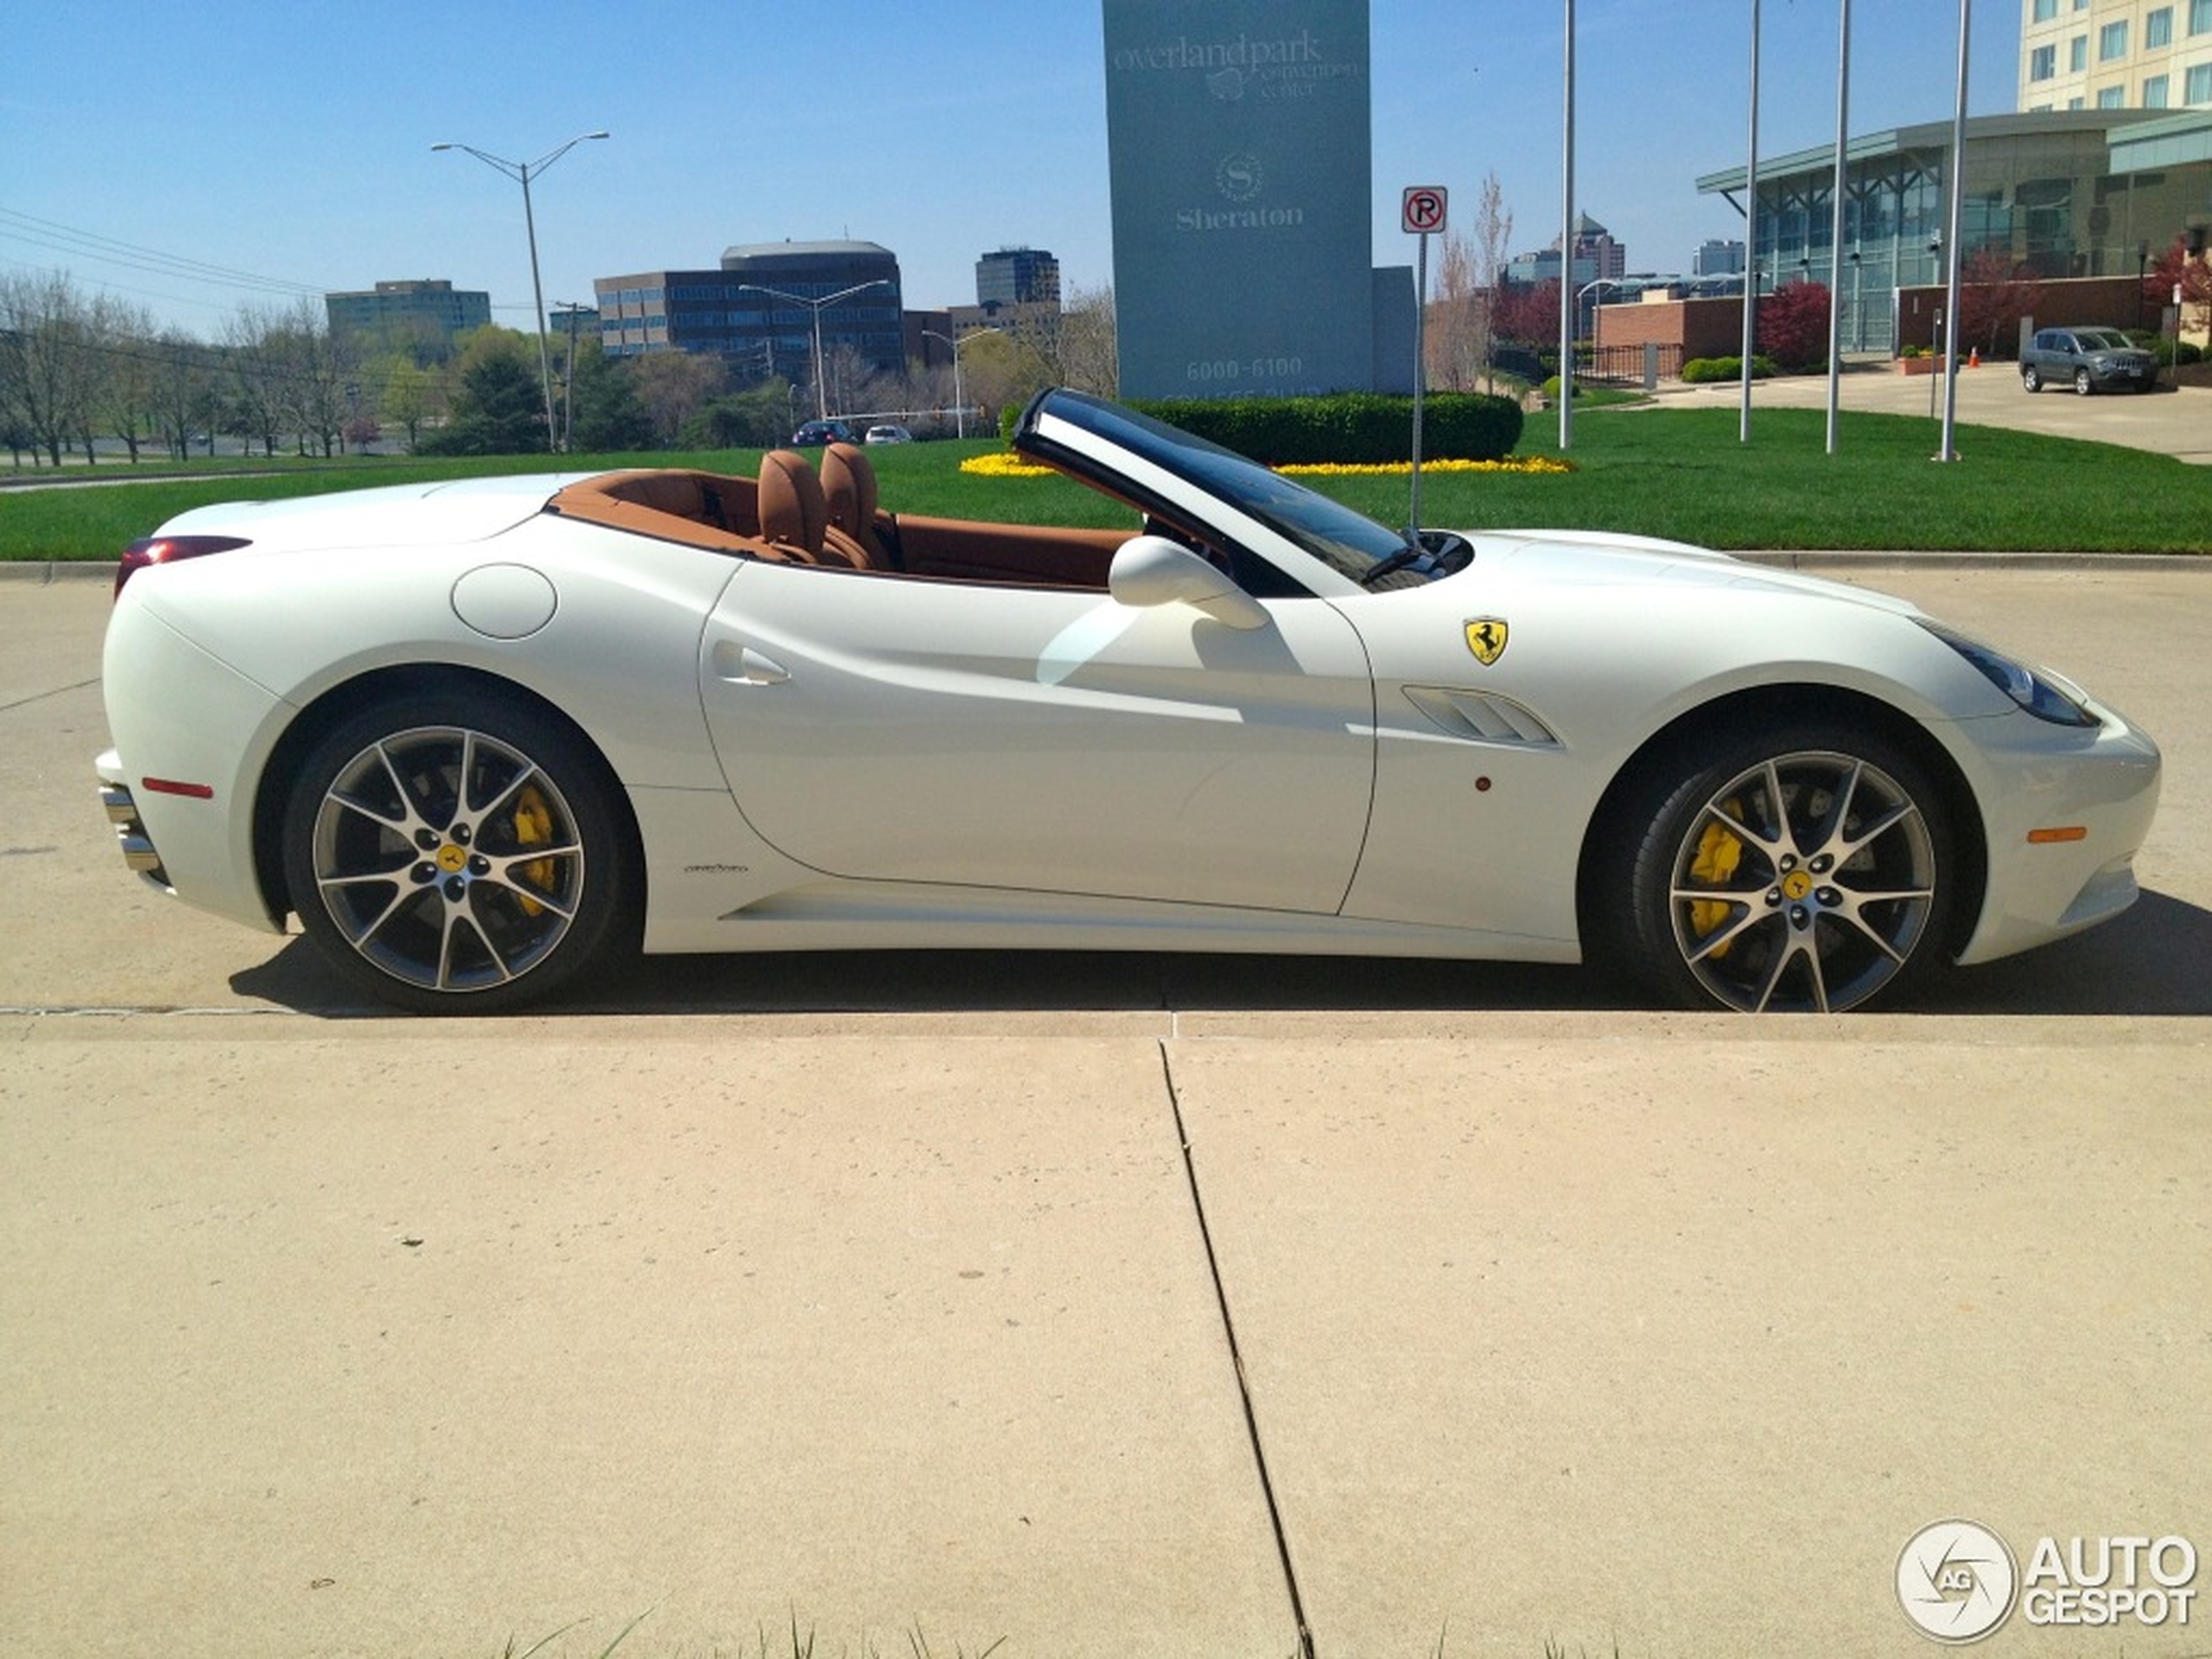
[1421,214]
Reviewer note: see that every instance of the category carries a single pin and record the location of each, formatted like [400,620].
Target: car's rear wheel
[2030,381]
[458,855]
[2082,384]
[1807,870]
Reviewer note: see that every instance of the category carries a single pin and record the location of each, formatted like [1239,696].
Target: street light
[522,172]
[1584,293]
[821,392]
[960,403]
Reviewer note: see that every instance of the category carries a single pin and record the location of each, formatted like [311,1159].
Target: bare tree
[1085,346]
[124,392]
[255,349]
[182,399]
[1493,241]
[48,368]
[1461,319]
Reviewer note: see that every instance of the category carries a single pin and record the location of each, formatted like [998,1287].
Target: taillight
[167,549]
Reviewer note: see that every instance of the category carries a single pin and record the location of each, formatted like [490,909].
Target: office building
[2115,55]
[427,307]
[758,308]
[2065,195]
[1017,276]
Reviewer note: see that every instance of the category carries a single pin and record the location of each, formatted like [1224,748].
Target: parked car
[816,434]
[890,432]
[484,736]
[2088,360]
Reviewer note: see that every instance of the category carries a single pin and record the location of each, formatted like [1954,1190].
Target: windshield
[1347,542]
[2101,339]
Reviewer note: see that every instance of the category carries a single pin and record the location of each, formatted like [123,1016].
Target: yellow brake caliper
[1719,851]
[534,827]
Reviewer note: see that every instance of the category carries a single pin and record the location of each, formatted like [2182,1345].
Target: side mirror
[1152,570]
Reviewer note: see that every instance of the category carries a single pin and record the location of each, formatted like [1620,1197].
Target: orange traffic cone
[1973,358]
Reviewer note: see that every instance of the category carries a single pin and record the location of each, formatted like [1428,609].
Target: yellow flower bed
[1004,465]
[1399,469]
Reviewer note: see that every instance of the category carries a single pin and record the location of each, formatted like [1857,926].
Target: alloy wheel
[1804,883]
[447,859]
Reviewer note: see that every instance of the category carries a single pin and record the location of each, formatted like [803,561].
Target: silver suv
[2086,359]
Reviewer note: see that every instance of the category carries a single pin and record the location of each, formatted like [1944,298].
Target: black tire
[1841,898]
[2031,382]
[2082,384]
[459,855]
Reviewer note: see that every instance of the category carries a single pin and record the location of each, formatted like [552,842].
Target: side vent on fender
[1481,718]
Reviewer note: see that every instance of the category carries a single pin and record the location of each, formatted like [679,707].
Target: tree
[47,368]
[1995,292]
[406,394]
[258,362]
[2177,266]
[604,411]
[120,336]
[1463,319]
[182,399]
[1085,347]
[672,386]
[999,369]
[1792,326]
[757,418]
[499,408]
[1527,312]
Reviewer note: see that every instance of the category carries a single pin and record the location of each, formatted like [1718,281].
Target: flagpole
[1835,234]
[1750,231]
[1948,366]
[1566,249]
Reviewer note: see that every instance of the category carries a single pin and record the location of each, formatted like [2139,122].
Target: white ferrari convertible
[483,736]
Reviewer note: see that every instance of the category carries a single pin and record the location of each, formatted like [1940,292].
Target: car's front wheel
[2030,380]
[457,854]
[1808,870]
[2083,384]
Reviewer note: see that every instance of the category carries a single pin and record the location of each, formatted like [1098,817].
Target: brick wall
[1699,328]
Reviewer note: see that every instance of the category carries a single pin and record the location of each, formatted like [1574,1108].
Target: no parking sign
[1423,210]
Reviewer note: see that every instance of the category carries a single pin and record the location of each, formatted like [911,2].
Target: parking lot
[1101,1306]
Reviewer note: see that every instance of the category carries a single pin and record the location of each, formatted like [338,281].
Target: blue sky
[288,145]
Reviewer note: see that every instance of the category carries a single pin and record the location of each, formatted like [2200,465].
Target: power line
[44,232]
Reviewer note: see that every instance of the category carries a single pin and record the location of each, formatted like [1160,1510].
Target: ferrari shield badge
[1486,640]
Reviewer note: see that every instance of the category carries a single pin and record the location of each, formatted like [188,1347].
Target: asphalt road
[949,1297]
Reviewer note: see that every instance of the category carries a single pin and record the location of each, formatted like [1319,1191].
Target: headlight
[2037,692]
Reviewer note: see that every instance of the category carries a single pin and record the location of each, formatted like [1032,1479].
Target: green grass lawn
[1678,473]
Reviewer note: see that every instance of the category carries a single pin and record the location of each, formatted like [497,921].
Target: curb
[47,572]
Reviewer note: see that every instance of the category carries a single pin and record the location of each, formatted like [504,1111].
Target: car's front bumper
[2064,817]
[2135,377]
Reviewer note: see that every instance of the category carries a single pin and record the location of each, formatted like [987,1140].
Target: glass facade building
[2053,191]
[758,309]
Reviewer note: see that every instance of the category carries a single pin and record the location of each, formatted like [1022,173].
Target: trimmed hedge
[1351,427]
[1699,371]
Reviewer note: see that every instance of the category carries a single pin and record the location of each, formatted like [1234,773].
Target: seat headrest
[848,487]
[793,511]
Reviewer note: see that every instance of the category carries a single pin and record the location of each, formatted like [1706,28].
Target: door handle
[742,665]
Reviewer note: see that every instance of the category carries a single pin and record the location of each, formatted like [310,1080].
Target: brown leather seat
[794,515]
[848,487]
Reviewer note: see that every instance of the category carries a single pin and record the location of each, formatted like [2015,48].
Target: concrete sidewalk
[2169,419]
[958,1299]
